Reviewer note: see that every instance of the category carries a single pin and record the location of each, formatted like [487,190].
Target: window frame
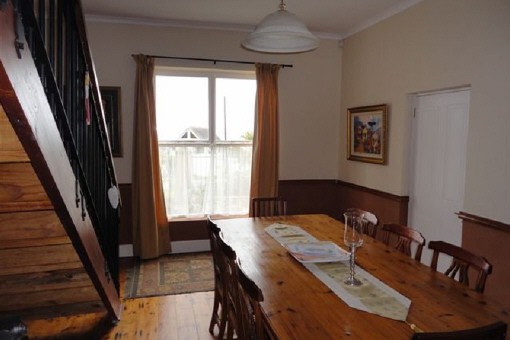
[212,75]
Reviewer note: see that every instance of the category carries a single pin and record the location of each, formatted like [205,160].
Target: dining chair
[250,313]
[495,331]
[230,279]
[405,237]
[371,223]
[268,206]
[219,313]
[462,260]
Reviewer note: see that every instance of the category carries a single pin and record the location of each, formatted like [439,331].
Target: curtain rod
[213,60]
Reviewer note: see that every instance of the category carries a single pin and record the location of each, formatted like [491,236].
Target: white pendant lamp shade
[281,32]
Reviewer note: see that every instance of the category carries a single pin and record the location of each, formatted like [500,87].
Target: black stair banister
[55,32]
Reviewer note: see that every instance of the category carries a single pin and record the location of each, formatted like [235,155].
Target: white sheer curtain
[206,179]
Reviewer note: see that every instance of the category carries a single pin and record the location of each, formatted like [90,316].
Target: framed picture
[367,133]
[111,105]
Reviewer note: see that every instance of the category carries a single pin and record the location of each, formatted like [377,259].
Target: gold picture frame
[110,96]
[367,134]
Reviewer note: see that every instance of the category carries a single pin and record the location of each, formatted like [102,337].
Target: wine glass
[353,238]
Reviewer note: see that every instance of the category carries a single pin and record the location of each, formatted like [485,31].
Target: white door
[438,162]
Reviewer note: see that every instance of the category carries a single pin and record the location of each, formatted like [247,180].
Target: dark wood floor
[180,317]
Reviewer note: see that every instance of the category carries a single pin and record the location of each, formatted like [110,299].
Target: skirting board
[126,250]
[178,247]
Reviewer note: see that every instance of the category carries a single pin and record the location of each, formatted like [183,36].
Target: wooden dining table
[297,305]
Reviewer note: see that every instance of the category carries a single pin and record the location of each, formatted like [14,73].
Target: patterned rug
[171,274]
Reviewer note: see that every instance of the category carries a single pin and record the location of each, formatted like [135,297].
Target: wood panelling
[188,230]
[330,197]
[482,221]
[30,225]
[387,207]
[490,239]
[126,220]
[20,189]
[310,197]
[333,197]
[10,147]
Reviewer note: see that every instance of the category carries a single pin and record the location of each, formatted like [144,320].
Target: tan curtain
[264,172]
[151,237]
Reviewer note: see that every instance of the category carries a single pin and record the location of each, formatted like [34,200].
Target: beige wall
[309,92]
[434,45]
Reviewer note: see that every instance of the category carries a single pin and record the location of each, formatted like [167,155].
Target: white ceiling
[327,18]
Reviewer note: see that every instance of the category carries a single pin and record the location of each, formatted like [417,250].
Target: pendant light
[281,32]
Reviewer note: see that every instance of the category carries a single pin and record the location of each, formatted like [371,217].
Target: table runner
[372,296]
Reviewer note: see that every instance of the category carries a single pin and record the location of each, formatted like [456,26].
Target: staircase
[58,227]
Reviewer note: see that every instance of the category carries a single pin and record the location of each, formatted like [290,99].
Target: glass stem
[352,261]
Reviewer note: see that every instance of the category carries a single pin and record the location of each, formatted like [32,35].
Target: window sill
[204,218]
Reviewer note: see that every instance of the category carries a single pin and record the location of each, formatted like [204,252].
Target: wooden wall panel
[186,230]
[387,207]
[126,221]
[491,240]
[11,149]
[20,189]
[311,197]
[330,197]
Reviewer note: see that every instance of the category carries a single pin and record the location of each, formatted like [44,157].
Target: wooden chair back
[268,206]
[214,239]
[371,223]
[495,331]
[230,279]
[250,313]
[462,260]
[405,237]
[219,313]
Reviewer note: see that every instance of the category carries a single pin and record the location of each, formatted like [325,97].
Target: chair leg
[223,320]
[215,315]
[230,331]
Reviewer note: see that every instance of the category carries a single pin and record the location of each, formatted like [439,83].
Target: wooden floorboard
[178,317]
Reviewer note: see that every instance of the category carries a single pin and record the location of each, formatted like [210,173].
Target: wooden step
[41,268]
[27,300]
[11,149]
[20,189]
[31,229]
[33,257]
[34,242]
[37,282]
[26,225]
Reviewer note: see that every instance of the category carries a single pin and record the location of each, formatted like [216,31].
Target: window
[205,121]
